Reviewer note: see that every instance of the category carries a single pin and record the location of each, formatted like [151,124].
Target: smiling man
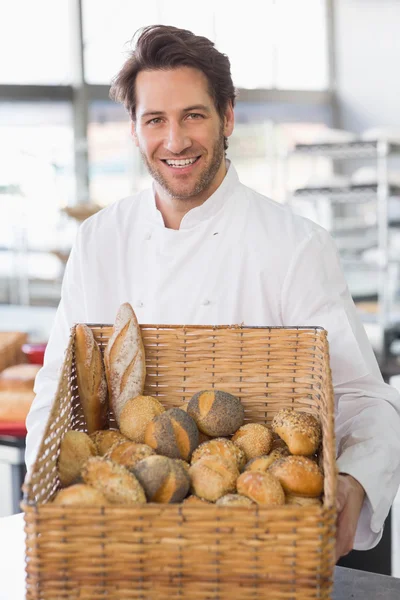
[201,248]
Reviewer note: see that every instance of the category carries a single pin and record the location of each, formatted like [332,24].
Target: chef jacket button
[206,302]
[148,236]
[140,304]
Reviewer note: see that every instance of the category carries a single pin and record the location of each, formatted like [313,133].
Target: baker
[202,248]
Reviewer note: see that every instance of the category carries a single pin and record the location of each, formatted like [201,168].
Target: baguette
[124,360]
[92,384]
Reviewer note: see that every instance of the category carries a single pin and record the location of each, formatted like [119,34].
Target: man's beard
[205,178]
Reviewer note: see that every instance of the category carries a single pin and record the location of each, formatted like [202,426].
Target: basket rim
[227,326]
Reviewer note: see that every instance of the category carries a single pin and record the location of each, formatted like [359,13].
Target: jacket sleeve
[71,310]
[367,410]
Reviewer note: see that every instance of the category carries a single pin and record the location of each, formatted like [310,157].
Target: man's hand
[350,498]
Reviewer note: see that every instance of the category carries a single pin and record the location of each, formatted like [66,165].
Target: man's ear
[229,120]
[134,134]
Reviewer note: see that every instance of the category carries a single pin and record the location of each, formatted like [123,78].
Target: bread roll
[263,463]
[163,479]
[137,414]
[262,488]
[104,440]
[300,431]
[128,454]
[116,483]
[80,494]
[124,360]
[91,378]
[15,406]
[213,476]
[19,378]
[299,475]
[75,449]
[173,434]
[216,413]
[302,500]
[220,447]
[254,439]
[195,500]
[234,500]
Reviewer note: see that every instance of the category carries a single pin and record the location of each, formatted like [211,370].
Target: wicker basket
[171,552]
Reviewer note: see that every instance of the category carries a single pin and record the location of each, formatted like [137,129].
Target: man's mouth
[180,163]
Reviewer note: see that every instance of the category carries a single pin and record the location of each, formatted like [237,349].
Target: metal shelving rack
[380,151]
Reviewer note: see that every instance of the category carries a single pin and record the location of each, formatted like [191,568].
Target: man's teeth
[181,163]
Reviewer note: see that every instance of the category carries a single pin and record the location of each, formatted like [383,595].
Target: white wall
[367,49]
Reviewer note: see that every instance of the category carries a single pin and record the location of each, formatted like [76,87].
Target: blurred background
[317,126]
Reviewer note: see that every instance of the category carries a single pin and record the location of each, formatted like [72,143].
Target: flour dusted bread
[213,476]
[80,494]
[262,488]
[116,483]
[91,377]
[124,360]
[104,440]
[75,449]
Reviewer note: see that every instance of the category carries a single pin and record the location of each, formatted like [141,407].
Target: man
[201,248]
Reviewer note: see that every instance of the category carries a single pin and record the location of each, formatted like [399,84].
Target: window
[35,42]
[270,43]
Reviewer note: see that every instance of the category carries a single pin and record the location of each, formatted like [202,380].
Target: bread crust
[124,360]
[91,378]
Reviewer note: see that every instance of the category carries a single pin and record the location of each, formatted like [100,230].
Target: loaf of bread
[124,360]
[117,484]
[19,378]
[196,501]
[104,440]
[262,488]
[80,494]
[137,414]
[263,463]
[300,431]
[234,500]
[91,378]
[220,447]
[75,449]
[217,413]
[173,433]
[163,479]
[254,439]
[299,475]
[14,406]
[213,476]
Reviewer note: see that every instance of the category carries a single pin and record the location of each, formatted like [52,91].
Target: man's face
[179,132]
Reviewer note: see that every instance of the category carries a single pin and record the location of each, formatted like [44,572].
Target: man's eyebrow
[158,113]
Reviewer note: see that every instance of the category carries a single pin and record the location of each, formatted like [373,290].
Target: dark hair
[165,47]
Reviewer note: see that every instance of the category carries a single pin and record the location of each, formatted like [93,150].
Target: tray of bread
[189,462]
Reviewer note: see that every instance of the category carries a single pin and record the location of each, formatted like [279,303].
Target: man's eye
[154,121]
[195,116]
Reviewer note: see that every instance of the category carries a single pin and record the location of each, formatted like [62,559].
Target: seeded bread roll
[262,488]
[220,447]
[80,494]
[116,483]
[300,431]
[234,500]
[137,414]
[213,476]
[299,475]
[124,360]
[278,444]
[104,440]
[163,479]
[173,434]
[128,454]
[75,449]
[302,500]
[216,413]
[254,439]
[263,463]
[91,379]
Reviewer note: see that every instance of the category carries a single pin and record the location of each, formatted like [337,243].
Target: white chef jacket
[237,258]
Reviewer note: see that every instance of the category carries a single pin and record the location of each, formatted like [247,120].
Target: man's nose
[177,139]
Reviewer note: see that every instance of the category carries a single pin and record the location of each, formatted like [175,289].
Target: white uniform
[238,258]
